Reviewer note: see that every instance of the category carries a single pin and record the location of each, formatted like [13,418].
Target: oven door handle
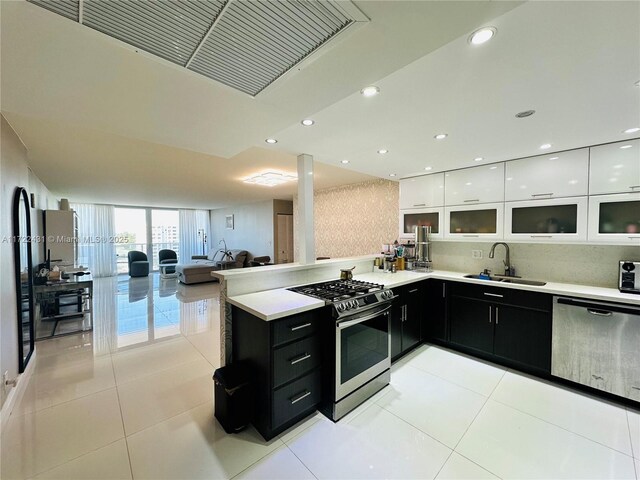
[351,323]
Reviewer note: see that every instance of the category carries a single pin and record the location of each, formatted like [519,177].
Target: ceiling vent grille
[66,8]
[254,43]
[171,30]
[244,44]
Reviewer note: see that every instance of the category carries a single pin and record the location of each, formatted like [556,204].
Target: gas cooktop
[338,290]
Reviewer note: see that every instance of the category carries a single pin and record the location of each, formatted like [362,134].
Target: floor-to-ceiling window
[146,230]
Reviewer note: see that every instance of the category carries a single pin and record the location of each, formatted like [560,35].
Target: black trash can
[233,397]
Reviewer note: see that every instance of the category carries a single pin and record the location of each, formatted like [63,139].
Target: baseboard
[17,392]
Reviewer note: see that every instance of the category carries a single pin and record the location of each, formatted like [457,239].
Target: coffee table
[168,270]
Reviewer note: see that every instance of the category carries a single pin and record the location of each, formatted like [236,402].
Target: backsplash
[580,264]
[353,219]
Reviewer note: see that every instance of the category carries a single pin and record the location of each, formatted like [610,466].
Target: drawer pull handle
[304,356]
[541,236]
[601,313]
[419,204]
[300,397]
[414,290]
[493,295]
[542,194]
[489,313]
[597,377]
[633,187]
[472,200]
[635,388]
[633,237]
[299,327]
[497,313]
[474,236]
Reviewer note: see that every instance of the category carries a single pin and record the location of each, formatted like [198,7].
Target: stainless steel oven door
[363,346]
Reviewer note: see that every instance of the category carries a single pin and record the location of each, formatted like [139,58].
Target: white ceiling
[106,123]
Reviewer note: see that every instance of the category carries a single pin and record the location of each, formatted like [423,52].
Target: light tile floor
[133,399]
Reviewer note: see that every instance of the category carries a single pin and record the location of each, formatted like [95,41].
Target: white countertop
[274,304]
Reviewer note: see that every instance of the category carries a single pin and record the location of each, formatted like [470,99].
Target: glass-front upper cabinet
[615,218]
[557,220]
[411,218]
[615,168]
[426,191]
[470,186]
[563,174]
[467,222]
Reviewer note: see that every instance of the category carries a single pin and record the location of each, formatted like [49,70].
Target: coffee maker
[423,249]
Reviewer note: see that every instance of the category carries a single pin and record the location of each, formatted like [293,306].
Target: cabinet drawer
[294,327]
[294,360]
[295,398]
[509,296]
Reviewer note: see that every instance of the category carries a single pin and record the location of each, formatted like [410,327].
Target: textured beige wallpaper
[353,219]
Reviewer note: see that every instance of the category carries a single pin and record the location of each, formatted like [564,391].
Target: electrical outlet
[476,253]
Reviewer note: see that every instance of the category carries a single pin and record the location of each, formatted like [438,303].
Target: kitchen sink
[519,281]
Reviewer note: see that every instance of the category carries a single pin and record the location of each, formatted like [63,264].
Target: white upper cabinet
[564,174]
[615,168]
[470,186]
[422,192]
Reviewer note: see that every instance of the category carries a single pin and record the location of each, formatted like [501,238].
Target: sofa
[201,266]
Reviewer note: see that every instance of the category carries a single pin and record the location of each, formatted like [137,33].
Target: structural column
[305,228]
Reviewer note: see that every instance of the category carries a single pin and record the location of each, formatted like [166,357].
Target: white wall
[14,172]
[581,264]
[252,231]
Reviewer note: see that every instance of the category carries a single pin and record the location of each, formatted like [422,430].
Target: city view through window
[146,230]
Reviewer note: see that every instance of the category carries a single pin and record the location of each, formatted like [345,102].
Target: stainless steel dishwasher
[597,344]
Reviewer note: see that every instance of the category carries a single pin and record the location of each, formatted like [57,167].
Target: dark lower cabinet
[511,326]
[286,358]
[523,335]
[471,324]
[406,318]
[434,318]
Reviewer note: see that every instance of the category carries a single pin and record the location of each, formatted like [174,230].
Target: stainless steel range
[361,352]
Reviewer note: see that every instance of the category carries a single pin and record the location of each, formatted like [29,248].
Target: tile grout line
[165,420]
[124,431]
[299,459]
[562,428]
[633,459]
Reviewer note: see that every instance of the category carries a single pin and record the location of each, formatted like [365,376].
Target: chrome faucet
[508,269]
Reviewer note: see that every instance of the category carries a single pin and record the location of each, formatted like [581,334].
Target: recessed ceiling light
[428,168]
[478,159]
[468,183]
[392,174]
[482,35]
[554,158]
[271,141]
[493,168]
[307,122]
[545,146]
[370,91]
[525,114]
[440,136]
[382,151]
[344,161]
[632,130]
[626,146]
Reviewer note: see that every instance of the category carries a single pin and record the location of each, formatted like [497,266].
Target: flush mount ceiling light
[270,179]
[392,174]
[441,136]
[554,158]
[382,151]
[545,146]
[478,159]
[525,114]
[370,91]
[271,141]
[307,122]
[482,35]
[428,168]
[632,130]
[344,161]
[624,147]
